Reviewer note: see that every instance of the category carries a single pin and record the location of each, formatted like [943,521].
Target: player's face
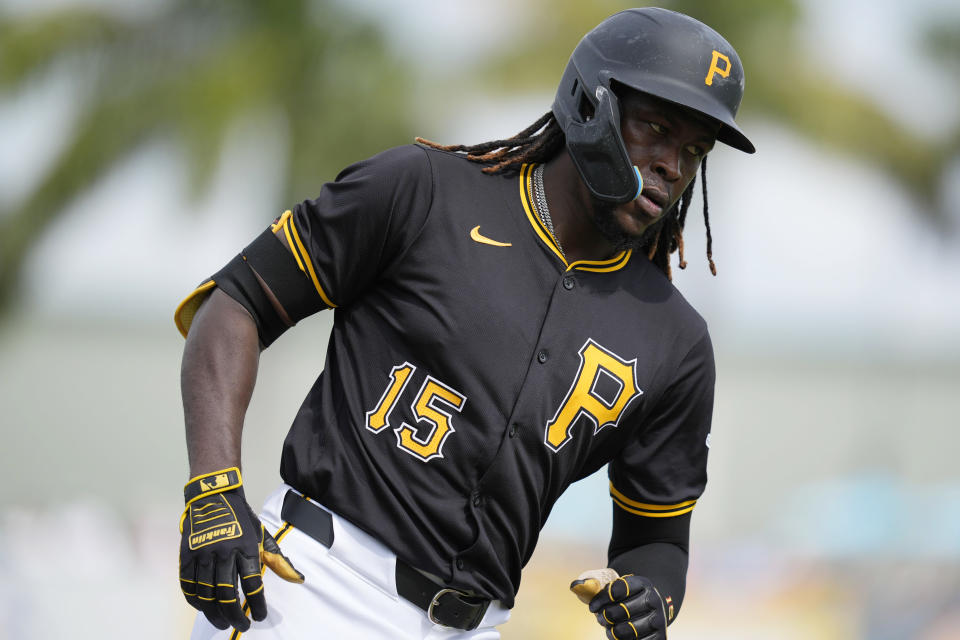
[666,142]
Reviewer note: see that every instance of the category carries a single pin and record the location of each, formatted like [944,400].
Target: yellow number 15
[432,408]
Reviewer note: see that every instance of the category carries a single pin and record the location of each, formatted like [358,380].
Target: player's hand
[628,606]
[223,545]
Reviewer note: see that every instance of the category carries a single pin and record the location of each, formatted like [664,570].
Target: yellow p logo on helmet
[725,71]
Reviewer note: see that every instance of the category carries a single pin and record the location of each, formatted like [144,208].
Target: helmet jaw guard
[663,53]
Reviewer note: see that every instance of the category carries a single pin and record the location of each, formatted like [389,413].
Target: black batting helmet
[663,53]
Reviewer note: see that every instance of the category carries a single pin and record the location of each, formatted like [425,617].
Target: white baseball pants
[349,592]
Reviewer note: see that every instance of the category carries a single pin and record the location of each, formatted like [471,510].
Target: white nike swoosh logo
[475,235]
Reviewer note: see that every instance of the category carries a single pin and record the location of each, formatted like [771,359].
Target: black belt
[444,606]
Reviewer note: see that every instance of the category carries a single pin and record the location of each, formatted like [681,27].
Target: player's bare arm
[217,377]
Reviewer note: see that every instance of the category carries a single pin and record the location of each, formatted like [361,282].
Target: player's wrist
[205,458]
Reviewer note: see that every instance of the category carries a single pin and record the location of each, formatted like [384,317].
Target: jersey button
[513,431]
[460,564]
[569,283]
[477,500]
[542,356]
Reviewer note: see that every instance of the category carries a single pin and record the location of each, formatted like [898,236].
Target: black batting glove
[631,608]
[223,545]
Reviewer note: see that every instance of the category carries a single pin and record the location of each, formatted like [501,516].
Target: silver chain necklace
[543,211]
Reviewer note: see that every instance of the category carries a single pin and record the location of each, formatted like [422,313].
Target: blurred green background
[143,144]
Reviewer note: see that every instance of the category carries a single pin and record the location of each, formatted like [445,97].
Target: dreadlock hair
[537,143]
[669,236]
[542,140]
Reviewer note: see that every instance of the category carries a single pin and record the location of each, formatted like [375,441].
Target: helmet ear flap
[597,150]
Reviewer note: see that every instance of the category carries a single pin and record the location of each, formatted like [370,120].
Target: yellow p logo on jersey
[582,399]
[714,69]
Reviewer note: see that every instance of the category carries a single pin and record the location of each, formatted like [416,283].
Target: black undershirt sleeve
[656,548]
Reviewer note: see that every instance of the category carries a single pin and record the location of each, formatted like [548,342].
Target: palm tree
[186,72]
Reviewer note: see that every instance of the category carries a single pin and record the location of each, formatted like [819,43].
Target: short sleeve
[360,222]
[663,471]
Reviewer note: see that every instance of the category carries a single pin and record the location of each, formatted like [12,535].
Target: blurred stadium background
[142,144]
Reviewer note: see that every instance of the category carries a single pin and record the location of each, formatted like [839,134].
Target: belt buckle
[436,600]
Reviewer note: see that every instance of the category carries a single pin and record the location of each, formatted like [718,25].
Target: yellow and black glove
[223,543]
[630,607]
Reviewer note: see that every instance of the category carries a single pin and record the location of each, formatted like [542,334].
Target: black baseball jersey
[472,373]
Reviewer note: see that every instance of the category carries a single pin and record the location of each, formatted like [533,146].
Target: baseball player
[505,324]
